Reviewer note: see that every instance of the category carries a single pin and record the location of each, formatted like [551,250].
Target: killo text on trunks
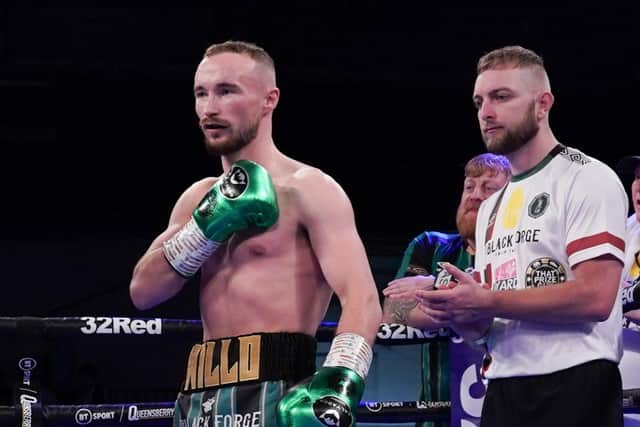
[250,359]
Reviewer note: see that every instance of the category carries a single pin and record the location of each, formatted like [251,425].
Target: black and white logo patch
[83,416]
[27,363]
[544,271]
[539,205]
[331,411]
[374,406]
[234,183]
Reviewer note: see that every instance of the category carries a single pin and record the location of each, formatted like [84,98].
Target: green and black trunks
[237,381]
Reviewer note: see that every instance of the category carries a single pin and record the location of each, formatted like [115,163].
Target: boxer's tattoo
[399,309]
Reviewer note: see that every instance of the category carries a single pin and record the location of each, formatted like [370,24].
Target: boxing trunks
[237,381]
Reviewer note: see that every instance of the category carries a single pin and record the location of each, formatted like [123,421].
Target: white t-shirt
[567,209]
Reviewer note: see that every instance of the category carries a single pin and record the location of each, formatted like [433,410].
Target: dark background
[99,137]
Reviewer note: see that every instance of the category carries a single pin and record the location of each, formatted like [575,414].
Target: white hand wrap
[188,249]
[351,351]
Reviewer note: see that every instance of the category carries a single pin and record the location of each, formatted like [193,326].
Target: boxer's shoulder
[302,180]
[189,199]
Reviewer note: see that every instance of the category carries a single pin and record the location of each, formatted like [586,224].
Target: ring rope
[32,413]
[64,327]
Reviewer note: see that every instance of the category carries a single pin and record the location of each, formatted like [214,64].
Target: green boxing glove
[331,396]
[243,198]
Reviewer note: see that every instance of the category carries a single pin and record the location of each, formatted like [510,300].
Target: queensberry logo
[136,414]
[120,325]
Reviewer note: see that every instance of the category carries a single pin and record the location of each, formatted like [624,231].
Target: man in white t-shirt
[550,246]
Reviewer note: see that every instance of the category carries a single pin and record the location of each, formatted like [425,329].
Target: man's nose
[211,106]
[478,193]
[486,112]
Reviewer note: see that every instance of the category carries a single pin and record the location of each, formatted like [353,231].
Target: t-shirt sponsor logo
[506,276]
[538,205]
[508,242]
[544,271]
[505,285]
[506,270]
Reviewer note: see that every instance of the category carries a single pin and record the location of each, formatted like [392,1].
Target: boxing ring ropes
[29,410]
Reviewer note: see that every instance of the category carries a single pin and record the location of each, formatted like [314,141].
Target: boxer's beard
[513,139]
[236,141]
[466,220]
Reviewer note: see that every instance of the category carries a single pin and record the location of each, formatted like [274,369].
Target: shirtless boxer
[272,239]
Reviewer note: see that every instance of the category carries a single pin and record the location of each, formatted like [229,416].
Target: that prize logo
[544,271]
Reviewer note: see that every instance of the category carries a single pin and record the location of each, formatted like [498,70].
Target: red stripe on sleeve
[595,240]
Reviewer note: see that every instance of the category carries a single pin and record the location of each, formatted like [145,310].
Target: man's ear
[545,101]
[271,100]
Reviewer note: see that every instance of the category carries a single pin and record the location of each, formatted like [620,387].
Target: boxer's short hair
[511,56]
[252,50]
